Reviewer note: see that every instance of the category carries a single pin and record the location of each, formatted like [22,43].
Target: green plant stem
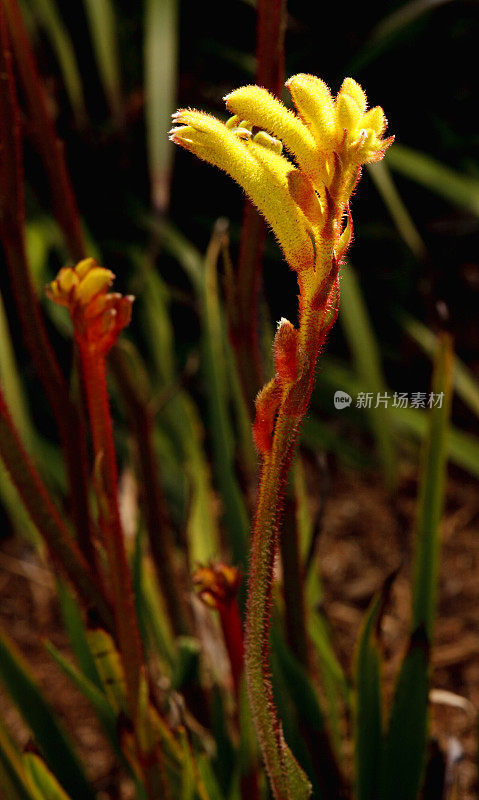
[45,516]
[160,534]
[94,376]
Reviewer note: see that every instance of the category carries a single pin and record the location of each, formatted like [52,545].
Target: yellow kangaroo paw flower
[352,89]
[313,100]
[262,109]
[259,171]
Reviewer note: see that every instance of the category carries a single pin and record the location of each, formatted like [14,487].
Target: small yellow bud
[67,279]
[352,89]
[348,115]
[233,121]
[268,141]
[375,120]
[85,266]
[313,100]
[97,280]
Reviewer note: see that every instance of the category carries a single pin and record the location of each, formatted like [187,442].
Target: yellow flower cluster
[300,191]
[98,315]
[79,285]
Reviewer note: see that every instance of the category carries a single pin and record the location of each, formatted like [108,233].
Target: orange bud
[286,352]
[267,404]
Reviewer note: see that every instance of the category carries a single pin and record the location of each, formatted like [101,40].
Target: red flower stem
[12,213]
[271,26]
[293,582]
[37,501]
[43,131]
[267,523]
[94,376]
[232,629]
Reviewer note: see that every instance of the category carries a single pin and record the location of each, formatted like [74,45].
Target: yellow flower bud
[96,280]
[348,115]
[313,100]
[352,89]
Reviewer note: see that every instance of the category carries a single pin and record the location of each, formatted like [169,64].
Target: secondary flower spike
[98,315]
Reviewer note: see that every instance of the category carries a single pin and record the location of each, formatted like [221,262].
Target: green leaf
[431,491]
[463,380]
[160,65]
[382,179]
[62,45]
[367,706]
[461,190]
[75,628]
[103,31]
[13,781]
[41,779]
[405,744]
[362,343]
[95,696]
[215,363]
[38,715]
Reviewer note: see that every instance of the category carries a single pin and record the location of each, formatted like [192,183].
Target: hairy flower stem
[266,531]
[94,375]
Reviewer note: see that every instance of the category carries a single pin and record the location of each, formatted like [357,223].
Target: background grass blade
[362,343]
[160,61]
[103,30]
[381,177]
[13,781]
[367,707]
[461,190]
[405,745]
[431,492]
[464,381]
[39,717]
[215,337]
[61,43]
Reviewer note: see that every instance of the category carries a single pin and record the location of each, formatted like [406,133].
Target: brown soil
[364,537]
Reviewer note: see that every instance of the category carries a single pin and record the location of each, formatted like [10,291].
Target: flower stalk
[304,196]
[98,317]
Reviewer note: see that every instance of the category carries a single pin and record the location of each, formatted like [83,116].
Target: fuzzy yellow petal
[313,100]
[350,87]
[348,115]
[376,120]
[85,266]
[67,279]
[262,109]
[261,173]
[98,279]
